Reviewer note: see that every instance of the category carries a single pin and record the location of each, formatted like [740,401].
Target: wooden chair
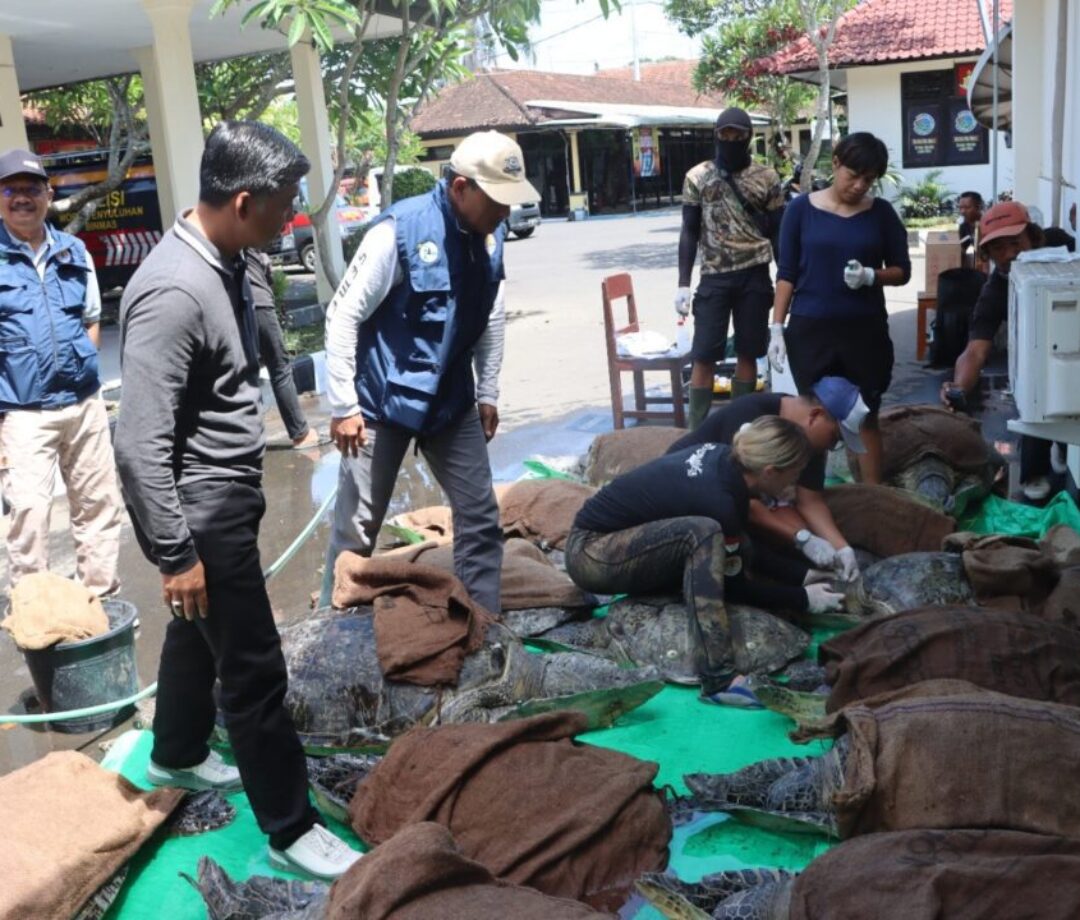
[613,288]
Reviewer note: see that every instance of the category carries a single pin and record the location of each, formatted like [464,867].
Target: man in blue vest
[51,411]
[420,305]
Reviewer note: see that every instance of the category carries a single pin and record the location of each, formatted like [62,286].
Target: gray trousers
[458,457]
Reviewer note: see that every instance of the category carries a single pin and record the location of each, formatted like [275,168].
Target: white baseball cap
[496,164]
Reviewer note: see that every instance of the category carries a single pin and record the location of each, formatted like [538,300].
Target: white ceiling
[66,41]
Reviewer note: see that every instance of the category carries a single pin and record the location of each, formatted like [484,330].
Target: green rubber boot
[700,402]
[742,387]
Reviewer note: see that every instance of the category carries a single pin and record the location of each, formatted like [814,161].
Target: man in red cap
[1005,231]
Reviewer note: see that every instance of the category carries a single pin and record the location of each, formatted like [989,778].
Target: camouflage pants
[658,557]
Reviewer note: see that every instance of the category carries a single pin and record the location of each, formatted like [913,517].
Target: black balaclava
[734,156]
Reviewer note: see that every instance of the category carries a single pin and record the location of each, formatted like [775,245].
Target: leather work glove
[682,301]
[820,552]
[855,276]
[846,564]
[777,347]
[822,598]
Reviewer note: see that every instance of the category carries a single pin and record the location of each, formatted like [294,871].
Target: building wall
[874,105]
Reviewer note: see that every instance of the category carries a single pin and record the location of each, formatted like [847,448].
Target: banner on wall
[646,152]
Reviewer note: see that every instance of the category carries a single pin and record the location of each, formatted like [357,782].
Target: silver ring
[177,606]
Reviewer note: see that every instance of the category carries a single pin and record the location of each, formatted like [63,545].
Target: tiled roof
[886,31]
[497,100]
[678,72]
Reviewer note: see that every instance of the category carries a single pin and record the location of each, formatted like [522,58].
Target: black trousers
[272,354]
[238,644]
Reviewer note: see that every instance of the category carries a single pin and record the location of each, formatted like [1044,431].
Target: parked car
[524,219]
[296,244]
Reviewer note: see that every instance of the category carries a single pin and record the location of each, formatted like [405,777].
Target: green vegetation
[303,340]
[925,198]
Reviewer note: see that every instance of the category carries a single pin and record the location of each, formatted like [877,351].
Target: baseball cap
[842,400]
[1007,218]
[734,117]
[496,164]
[21,163]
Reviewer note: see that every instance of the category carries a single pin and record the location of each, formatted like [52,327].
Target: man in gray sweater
[189,447]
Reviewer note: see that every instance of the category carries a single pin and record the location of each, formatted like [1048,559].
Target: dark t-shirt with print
[702,481]
[991,309]
[721,426]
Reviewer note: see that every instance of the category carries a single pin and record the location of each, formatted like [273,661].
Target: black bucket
[74,675]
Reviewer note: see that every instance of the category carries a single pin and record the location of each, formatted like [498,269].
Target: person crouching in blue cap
[832,413]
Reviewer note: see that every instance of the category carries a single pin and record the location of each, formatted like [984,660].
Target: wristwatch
[802,537]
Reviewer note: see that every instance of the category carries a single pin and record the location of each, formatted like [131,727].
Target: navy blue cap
[842,400]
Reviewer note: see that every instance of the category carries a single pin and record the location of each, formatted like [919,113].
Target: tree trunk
[821,43]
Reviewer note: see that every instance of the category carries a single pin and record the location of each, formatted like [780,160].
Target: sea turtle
[334,779]
[741,894]
[658,631]
[198,813]
[784,793]
[937,455]
[260,897]
[339,700]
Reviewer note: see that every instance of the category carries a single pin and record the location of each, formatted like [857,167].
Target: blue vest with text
[414,353]
[47,360]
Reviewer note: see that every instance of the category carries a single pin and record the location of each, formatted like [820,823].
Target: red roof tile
[885,31]
[498,99]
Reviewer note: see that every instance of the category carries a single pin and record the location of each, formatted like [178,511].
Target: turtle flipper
[260,897]
[748,786]
[602,708]
[744,894]
[798,706]
[334,780]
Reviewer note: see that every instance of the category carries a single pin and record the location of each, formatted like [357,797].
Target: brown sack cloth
[1002,650]
[886,521]
[528,577]
[69,825]
[1006,571]
[927,875]
[420,874]
[909,433]
[617,452]
[48,608]
[541,510]
[521,798]
[425,621]
[961,757]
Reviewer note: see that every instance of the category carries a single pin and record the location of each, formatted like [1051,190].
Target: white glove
[777,347]
[682,301]
[820,552]
[855,276]
[846,564]
[822,598]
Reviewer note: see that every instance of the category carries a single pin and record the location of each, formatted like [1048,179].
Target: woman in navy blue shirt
[839,247]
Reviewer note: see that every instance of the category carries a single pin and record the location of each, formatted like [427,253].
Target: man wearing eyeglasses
[51,411]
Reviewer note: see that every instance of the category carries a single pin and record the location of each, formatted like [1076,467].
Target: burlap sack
[528,578]
[47,608]
[945,754]
[541,510]
[886,521]
[420,874]
[1003,650]
[617,452]
[521,798]
[928,875]
[69,825]
[909,433]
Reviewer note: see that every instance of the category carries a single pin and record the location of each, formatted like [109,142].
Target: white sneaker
[1036,490]
[212,773]
[1059,458]
[318,853]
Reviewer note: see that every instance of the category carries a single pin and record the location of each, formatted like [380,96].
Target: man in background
[51,411]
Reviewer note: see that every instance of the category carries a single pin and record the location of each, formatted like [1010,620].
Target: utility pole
[633,42]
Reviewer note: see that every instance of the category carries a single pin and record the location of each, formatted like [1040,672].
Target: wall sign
[938,127]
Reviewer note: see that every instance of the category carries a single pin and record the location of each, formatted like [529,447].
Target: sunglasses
[30,191]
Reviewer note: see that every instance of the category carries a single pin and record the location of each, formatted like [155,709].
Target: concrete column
[1030,90]
[315,142]
[575,162]
[12,126]
[172,105]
